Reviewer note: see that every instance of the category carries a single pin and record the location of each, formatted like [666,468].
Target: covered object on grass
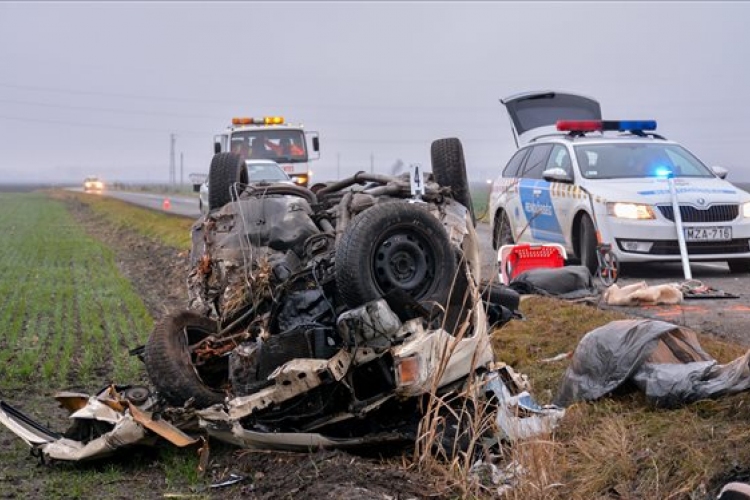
[663,360]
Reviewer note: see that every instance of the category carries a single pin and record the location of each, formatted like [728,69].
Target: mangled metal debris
[316,319]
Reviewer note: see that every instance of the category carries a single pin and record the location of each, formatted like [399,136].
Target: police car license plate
[712,233]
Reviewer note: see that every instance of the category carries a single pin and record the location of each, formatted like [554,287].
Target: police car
[576,174]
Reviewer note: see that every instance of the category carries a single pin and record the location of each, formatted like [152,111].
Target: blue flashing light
[637,125]
[629,125]
[663,172]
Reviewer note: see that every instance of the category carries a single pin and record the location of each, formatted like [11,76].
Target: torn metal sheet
[97,430]
[161,427]
[295,441]
[518,415]
[32,432]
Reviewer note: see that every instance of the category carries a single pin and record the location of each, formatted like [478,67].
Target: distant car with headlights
[258,171]
[575,174]
[93,185]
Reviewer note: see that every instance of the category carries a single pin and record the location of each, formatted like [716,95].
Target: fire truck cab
[271,138]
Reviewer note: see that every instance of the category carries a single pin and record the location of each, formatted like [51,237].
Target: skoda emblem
[701,201]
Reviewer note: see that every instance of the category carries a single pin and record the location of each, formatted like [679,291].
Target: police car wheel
[587,249]
[227,169]
[737,266]
[169,362]
[395,245]
[501,233]
[449,169]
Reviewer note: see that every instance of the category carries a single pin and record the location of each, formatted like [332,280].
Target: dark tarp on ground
[569,282]
[663,360]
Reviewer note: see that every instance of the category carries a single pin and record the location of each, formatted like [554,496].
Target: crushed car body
[320,317]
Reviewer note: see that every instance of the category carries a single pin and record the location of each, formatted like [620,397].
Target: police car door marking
[539,210]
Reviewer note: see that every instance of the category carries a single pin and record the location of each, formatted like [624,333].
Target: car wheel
[737,266]
[394,245]
[170,362]
[227,169]
[449,169]
[501,232]
[587,252]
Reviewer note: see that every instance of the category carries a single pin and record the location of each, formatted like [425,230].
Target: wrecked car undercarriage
[320,317]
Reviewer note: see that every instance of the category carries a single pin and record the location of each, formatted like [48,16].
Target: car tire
[587,250]
[739,266]
[449,169]
[501,232]
[170,364]
[226,170]
[394,245]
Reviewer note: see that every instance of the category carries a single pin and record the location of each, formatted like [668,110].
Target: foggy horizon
[97,88]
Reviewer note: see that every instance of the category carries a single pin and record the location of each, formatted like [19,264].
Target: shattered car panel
[315,319]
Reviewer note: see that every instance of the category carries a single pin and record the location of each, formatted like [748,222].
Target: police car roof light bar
[605,125]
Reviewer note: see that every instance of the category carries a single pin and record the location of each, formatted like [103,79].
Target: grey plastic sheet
[663,360]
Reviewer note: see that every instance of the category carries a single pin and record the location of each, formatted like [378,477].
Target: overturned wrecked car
[322,317]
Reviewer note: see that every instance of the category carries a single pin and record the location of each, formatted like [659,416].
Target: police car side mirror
[556,174]
[720,172]
[217,147]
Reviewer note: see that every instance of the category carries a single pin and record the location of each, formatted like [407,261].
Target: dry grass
[619,447]
[170,230]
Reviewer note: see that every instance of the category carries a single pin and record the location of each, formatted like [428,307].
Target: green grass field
[65,310]
[68,318]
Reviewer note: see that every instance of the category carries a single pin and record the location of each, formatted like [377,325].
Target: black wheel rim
[404,260]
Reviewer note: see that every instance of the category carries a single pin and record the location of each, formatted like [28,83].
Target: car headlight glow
[746,210]
[630,211]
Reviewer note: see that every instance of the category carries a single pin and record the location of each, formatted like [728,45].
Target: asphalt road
[727,318]
[174,204]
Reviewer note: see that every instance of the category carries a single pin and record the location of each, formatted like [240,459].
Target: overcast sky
[97,88]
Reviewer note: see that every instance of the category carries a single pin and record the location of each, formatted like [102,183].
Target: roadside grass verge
[620,446]
[169,230]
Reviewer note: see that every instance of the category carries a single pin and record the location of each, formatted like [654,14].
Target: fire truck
[271,138]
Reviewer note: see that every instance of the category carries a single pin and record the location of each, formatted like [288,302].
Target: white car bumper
[656,240]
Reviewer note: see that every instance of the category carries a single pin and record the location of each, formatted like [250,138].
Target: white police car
[568,151]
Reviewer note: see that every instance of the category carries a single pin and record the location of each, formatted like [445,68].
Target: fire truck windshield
[287,146]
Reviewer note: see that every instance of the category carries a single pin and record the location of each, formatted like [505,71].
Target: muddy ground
[158,273]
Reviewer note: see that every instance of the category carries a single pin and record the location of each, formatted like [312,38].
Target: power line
[109,110]
[99,126]
[426,107]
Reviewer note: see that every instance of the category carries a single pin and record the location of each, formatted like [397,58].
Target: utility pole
[172,140]
[372,163]
[182,169]
[338,166]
